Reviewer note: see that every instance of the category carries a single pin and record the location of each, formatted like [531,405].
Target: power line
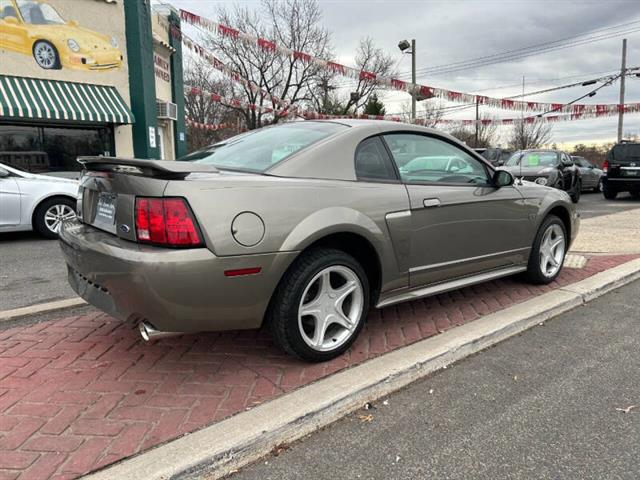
[529,51]
[534,46]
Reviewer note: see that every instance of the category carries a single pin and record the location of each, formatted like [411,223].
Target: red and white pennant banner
[392,83]
[229,72]
[297,111]
[208,126]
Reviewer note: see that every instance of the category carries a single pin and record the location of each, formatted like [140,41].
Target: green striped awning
[36,98]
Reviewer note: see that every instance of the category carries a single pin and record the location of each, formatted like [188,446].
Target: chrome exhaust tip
[148,332]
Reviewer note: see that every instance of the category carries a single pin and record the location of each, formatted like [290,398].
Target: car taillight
[166,221]
[605,166]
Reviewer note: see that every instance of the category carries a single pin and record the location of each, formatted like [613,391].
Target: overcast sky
[448,31]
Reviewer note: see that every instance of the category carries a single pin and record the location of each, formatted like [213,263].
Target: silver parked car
[35,202]
[304,227]
[590,174]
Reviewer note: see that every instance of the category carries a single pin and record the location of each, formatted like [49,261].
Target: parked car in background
[29,201]
[497,156]
[590,175]
[355,214]
[551,168]
[622,170]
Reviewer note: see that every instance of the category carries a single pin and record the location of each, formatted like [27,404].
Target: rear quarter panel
[295,212]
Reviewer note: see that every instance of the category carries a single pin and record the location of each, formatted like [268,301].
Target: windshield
[260,150]
[39,13]
[533,159]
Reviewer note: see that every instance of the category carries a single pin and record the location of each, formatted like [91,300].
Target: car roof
[366,123]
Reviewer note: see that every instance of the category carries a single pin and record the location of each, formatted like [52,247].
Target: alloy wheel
[45,55]
[552,250]
[56,214]
[331,308]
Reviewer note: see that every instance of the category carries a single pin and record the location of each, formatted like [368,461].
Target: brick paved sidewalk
[82,392]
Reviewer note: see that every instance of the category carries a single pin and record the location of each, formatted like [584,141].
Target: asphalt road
[594,205]
[32,270]
[542,405]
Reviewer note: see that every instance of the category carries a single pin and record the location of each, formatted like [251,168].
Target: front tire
[575,196]
[609,193]
[46,55]
[51,213]
[320,305]
[548,251]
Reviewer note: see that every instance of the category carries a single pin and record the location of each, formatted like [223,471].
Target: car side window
[422,158]
[372,161]
[7,10]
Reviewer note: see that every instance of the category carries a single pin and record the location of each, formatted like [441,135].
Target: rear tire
[321,300]
[598,187]
[49,214]
[609,193]
[545,261]
[575,196]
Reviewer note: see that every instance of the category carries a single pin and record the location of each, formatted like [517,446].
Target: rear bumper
[174,290]
[622,184]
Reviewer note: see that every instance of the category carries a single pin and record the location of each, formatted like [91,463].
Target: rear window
[626,152]
[260,150]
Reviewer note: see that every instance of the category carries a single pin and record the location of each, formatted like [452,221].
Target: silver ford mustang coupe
[303,227]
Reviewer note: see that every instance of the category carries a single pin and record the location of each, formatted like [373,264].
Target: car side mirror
[11,20]
[502,178]
[3,173]
[500,163]
[72,23]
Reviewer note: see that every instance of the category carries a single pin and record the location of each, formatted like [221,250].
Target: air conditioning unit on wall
[167,110]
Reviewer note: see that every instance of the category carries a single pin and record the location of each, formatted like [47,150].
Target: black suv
[622,170]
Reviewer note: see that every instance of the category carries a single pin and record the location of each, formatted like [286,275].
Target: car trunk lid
[109,187]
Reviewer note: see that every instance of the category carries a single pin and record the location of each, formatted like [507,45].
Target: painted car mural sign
[35,28]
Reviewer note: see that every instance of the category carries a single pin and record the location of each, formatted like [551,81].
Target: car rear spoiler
[166,169]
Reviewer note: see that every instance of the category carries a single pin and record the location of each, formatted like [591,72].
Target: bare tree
[428,114]
[482,135]
[203,109]
[524,134]
[294,24]
[372,59]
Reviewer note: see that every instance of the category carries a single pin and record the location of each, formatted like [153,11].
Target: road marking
[7,315]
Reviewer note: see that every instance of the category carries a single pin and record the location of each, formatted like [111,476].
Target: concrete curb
[7,315]
[221,448]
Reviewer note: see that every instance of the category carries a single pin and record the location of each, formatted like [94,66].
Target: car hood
[525,171]
[50,179]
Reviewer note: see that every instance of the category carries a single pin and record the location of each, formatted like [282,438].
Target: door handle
[431,202]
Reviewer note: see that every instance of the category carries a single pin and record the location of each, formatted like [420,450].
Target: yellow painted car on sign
[36,29]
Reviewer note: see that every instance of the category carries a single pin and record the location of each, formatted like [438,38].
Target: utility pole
[623,74]
[413,80]
[477,121]
[324,85]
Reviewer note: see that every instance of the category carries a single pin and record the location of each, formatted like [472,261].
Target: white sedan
[35,202]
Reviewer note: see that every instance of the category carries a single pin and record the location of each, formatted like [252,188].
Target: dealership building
[89,77]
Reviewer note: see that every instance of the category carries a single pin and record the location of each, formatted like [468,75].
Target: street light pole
[413,80]
[623,74]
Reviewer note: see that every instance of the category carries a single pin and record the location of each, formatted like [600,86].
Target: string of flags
[296,111]
[583,110]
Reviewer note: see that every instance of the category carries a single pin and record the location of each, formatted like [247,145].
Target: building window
[51,149]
